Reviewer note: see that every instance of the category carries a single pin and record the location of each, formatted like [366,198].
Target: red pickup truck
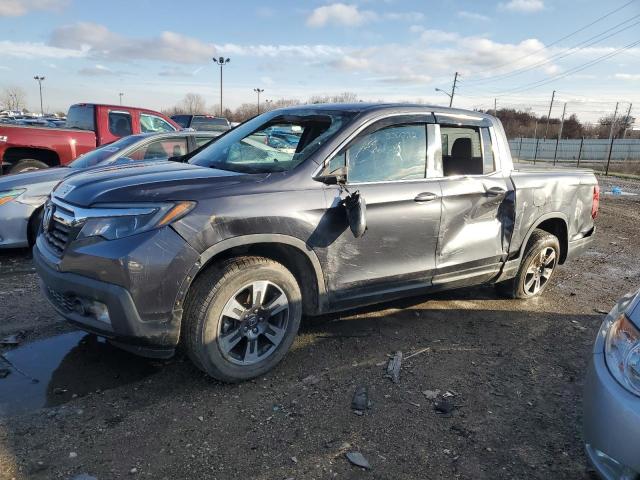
[88,126]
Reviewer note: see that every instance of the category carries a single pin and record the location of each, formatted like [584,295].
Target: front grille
[63,302]
[57,236]
[57,226]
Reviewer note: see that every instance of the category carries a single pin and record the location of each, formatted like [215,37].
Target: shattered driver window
[390,154]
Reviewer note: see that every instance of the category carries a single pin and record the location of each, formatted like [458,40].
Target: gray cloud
[17,8]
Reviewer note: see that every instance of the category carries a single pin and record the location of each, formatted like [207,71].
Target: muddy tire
[34,226]
[536,270]
[241,317]
[28,164]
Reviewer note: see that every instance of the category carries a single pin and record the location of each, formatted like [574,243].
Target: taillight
[596,201]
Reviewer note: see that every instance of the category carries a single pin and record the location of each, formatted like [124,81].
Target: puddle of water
[49,372]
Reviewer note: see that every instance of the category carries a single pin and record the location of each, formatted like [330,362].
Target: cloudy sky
[515,51]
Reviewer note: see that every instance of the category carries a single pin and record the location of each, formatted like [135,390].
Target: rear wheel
[536,269]
[241,318]
[28,164]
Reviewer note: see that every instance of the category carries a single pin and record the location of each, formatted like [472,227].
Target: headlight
[622,352]
[112,223]
[7,195]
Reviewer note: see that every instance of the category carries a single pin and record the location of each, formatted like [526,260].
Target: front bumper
[15,224]
[611,424]
[140,280]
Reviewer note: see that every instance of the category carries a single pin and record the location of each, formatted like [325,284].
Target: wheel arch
[14,154]
[555,223]
[291,252]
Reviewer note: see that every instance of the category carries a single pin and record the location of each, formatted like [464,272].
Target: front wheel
[536,269]
[241,318]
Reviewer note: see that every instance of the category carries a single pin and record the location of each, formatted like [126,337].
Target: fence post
[555,154]
[535,154]
[520,149]
[606,172]
[580,151]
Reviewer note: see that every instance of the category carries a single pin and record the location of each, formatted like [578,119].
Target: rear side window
[160,149]
[461,151]
[120,124]
[153,124]
[209,124]
[81,117]
[390,154]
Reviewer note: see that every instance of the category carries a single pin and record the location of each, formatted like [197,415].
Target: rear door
[387,164]
[477,203]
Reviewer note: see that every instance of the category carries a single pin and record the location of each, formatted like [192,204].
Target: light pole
[39,79]
[268,104]
[258,91]
[446,93]
[222,62]
[121,95]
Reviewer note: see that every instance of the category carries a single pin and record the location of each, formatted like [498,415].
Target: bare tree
[193,103]
[13,98]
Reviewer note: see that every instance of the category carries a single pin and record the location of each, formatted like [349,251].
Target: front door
[387,165]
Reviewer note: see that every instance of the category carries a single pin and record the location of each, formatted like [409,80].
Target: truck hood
[148,182]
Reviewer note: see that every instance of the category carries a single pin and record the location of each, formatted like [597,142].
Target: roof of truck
[372,107]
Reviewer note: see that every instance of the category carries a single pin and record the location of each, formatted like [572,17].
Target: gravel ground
[72,404]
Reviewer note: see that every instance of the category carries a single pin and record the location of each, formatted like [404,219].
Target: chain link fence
[619,155]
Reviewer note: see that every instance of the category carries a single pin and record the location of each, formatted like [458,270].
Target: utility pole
[121,94]
[555,155]
[613,123]
[258,91]
[626,121]
[453,89]
[546,128]
[39,79]
[222,62]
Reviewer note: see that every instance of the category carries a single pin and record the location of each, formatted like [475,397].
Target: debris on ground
[311,380]
[422,350]
[444,406]
[357,459]
[431,394]
[393,368]
[599,310]
[360,401]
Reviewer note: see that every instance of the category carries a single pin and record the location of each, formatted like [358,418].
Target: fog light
[98,310]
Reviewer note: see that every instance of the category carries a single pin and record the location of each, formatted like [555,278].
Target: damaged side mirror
[336,177]
[356,209]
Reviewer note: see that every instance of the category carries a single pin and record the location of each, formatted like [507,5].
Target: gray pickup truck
[358,204]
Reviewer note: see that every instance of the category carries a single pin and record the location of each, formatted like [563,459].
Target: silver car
[22,195]
[612,394]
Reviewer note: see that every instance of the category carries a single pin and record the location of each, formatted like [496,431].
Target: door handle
[495,191]
[425,197]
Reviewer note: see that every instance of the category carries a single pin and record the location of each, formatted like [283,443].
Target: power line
[555,42]
[573,49]
[576,69]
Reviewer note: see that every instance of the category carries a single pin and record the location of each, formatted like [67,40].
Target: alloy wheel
[540,271]
[253,323]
